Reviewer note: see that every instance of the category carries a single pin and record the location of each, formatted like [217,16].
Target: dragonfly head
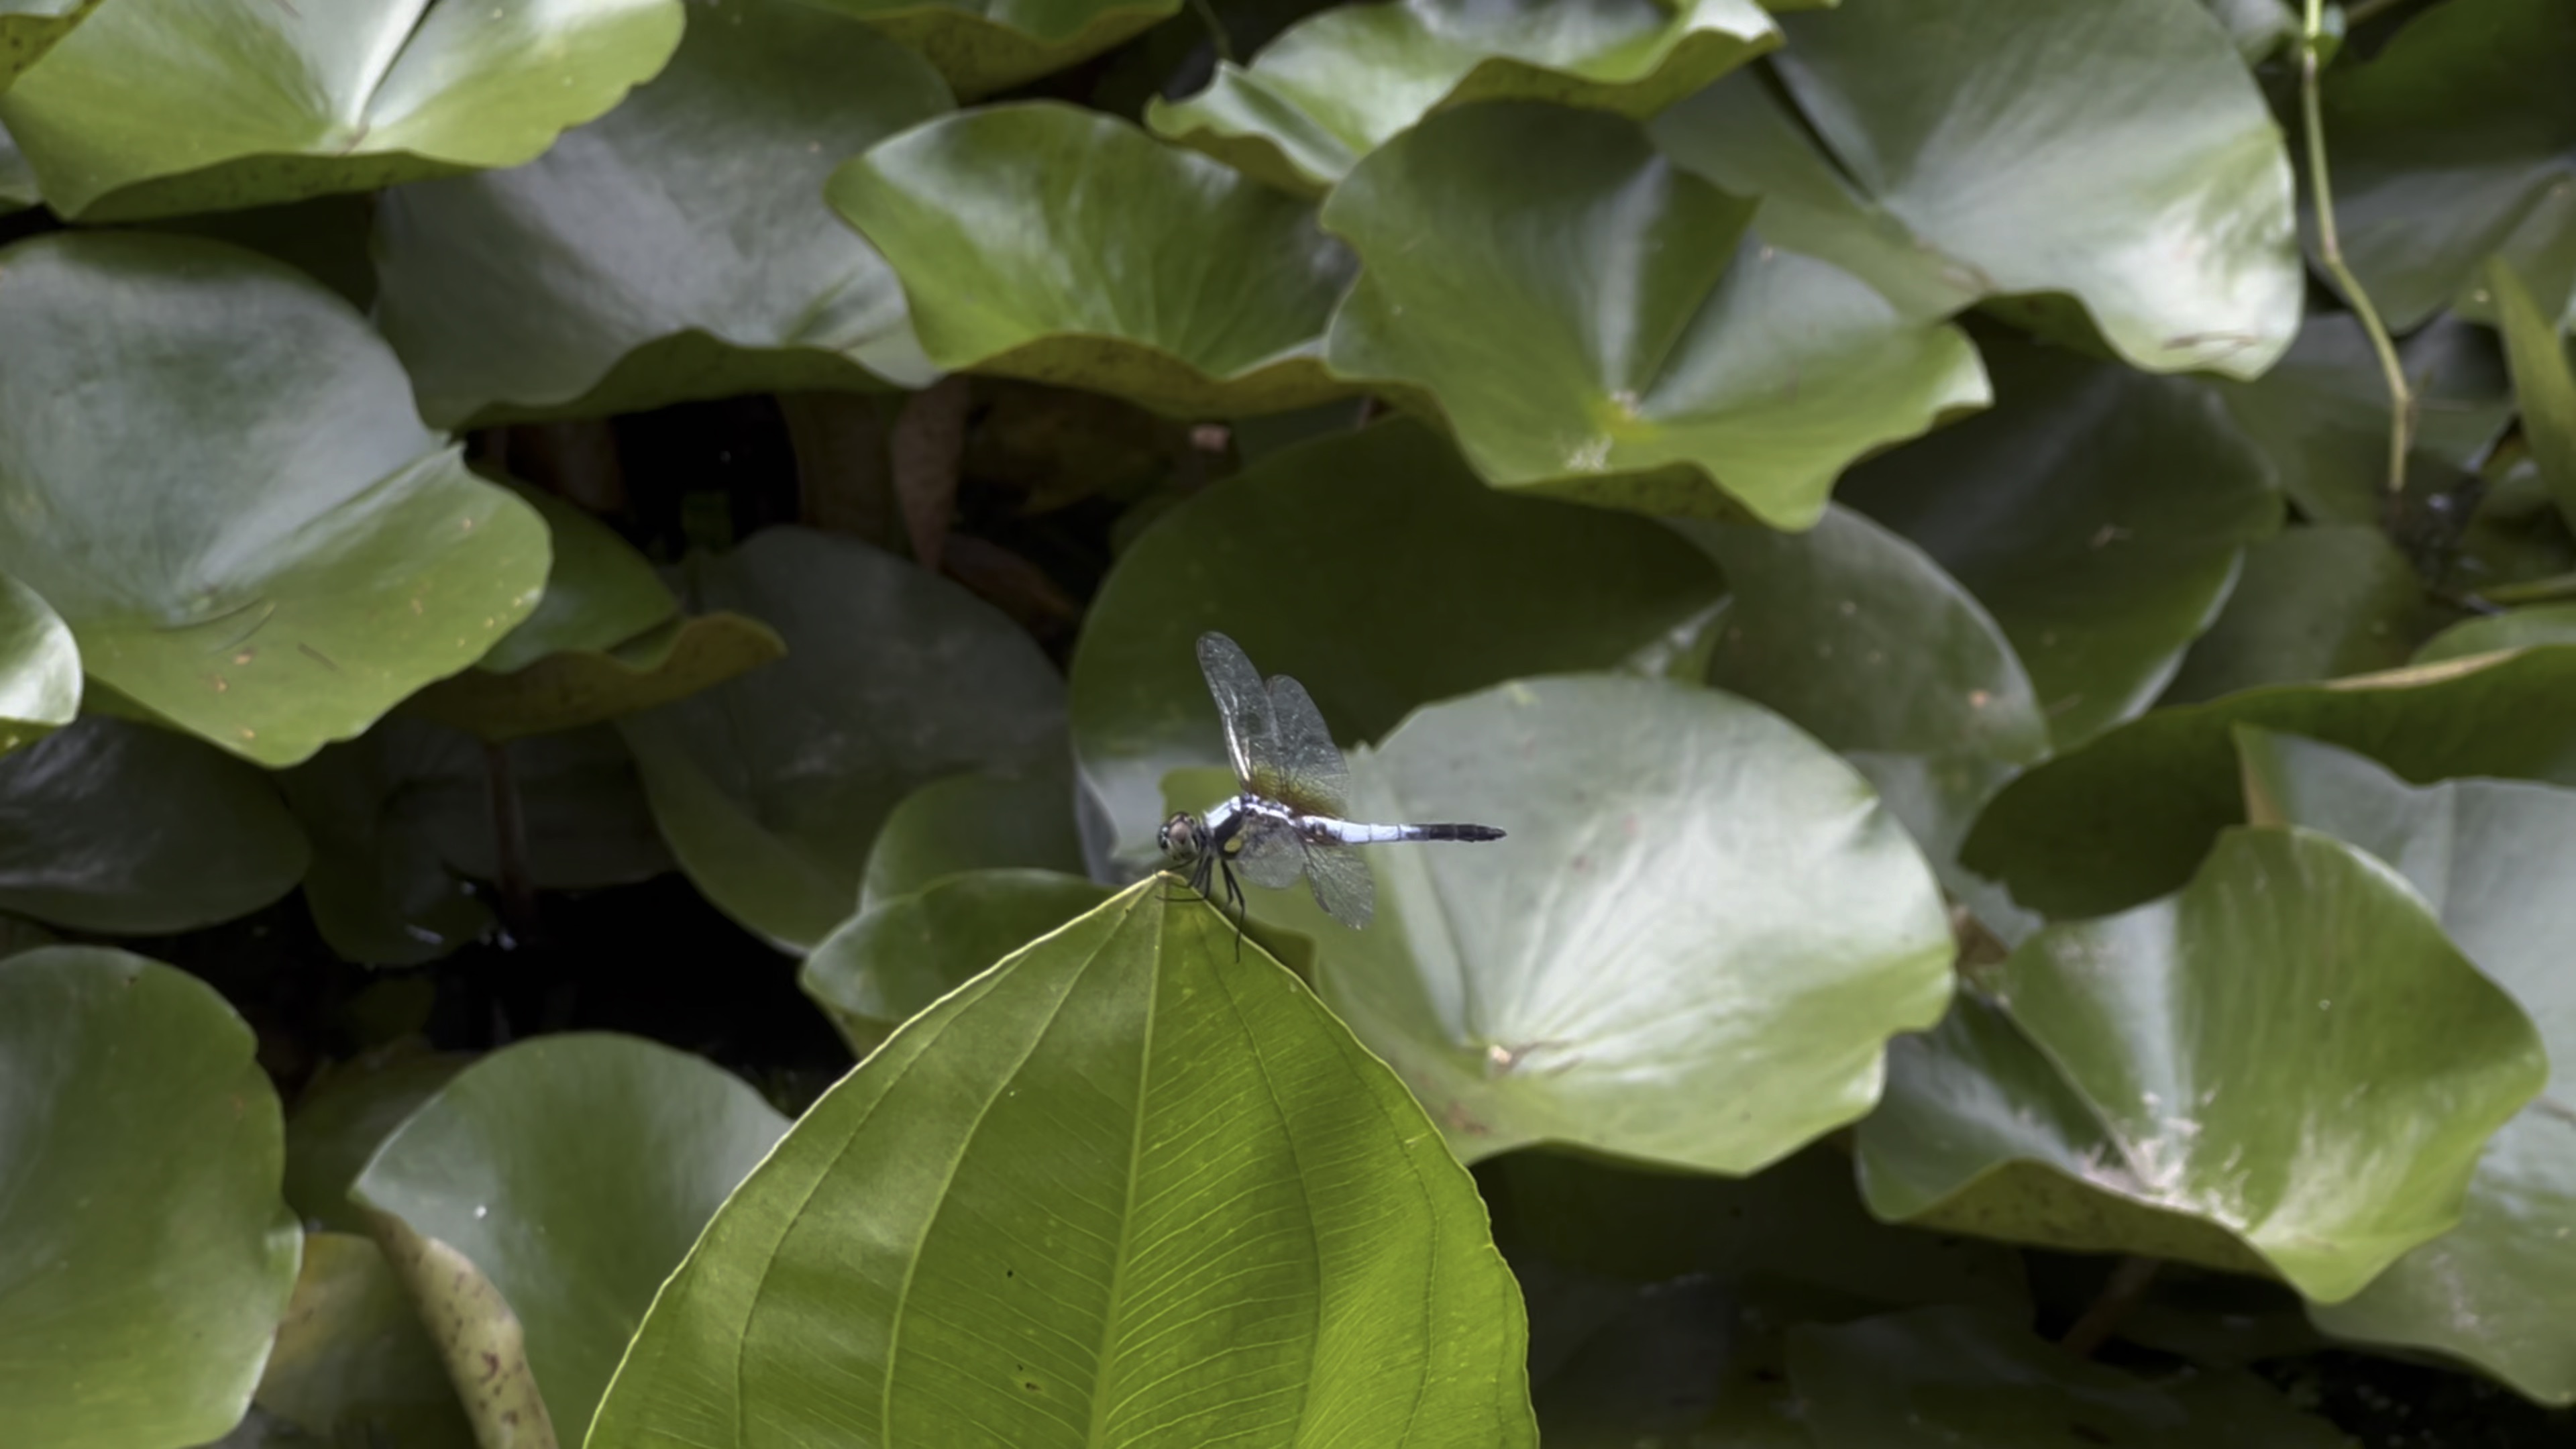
[1181,839]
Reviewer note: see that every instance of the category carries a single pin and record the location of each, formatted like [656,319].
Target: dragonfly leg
[1242,908]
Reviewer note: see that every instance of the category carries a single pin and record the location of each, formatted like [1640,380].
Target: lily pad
[160,107]
[983,46]
[2514,629]
[344,1114]
[29,28]
[1377,570]
[572,688]
[352,1363]
[2288,1049]
[1970,154]
[1343,82]
[1716,376]
[2489,857]
[572,1172]
[40,677]
[2314,602]
[888,963]
[2544,388]
[124,828]
[2130,815]
[246,527]
[144,1252]
[1125,1180]
[1696,903]
[599,591]
[1858,638]
[693,207]
[772,787]
[1064,246]
[2097,512]
[974,822]
[2446,144]
[1936,1377]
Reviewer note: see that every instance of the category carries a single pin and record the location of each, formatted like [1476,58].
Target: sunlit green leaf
[156,107]
[1375,569]
[2097,512]
[236,511]
[1690,949]
[599,591]
[576,687]
[29,28]
[988,45]
[888,963]
[1594,322]
[1937,1377]
[1972,152]
[2490,857]
[40,678]
[1126,1188]
[1346,80]
[2130,815]
[2515,629]
[694,207]
[1066,246]
[118,827]
[573,1172]
[974,822]
[2289,1049]
[144,1252]
[2443,145]
[772,787]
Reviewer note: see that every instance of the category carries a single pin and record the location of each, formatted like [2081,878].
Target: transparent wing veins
[1242,706]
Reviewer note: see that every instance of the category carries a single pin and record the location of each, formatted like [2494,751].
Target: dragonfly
[1286,819]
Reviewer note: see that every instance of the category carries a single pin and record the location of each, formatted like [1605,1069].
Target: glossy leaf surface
[40,677]
[691,211]
[2488,856]
[1593,321]
[888,963]
[988,45]
[244,523]
[144,1252]
[772,787]
[1695,903]
[1344,81]
[1125,1189]
[573,1172]
[1377,571]
[156,107]
[1043,242]
[2314,602]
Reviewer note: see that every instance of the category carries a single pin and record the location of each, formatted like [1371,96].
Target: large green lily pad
[2130,815]
[2288,1050]
[236,511]
[1859,638]
[989,45]
[1061,245]
[2314,602]
[2489,857]
[974,822]
[2097,512]
[1593,321]
[1690,949]
[572,688]
[888,963]
[145,1254]
[1938,1377]
[1125,1186]
[693,207]
[1377,570]
[343,1115]
[600,592]
[572,1172]
[40,676]
[119,827]
[1973,153]
[2447,144]
[772,787]
[1343,82]
[159,107]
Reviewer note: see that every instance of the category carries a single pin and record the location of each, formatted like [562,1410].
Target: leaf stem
[2120,1293]
[2401,397]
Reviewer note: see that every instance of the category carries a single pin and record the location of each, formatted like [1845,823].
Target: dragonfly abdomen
[1351,832]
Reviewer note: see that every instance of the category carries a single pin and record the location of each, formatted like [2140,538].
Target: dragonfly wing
[1309,774]
[1268,852]
[1242,704]
[1342,883]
